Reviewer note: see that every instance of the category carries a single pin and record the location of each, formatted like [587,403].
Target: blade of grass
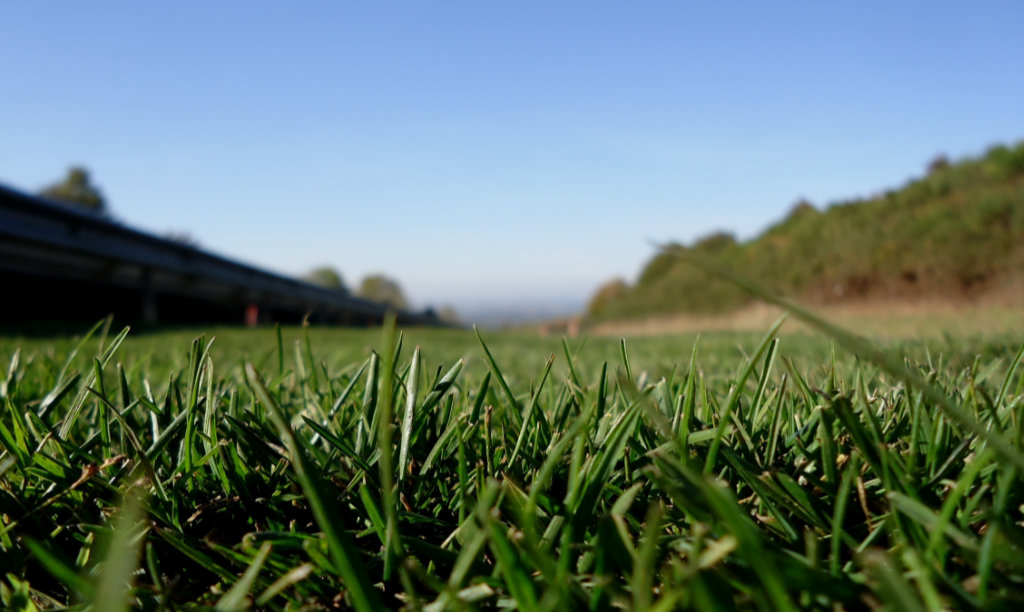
[412,385]
[292,576]
[59,568]
[441,387]
[237,597]
[76,407]
[61,386]
[530,408]
[114,584]
[385,431]
[642,581]
[737,390]
[496,370]
[868,350]
[345,557]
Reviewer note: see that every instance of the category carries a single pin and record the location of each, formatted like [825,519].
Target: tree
[182,237]
[802,206]
[326,277]
[446,314]
[939,163]
[77,190]
[715,242]
[449,315]
[380,288]
[610,292]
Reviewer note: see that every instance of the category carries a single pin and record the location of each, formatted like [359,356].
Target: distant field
[886,319]
[757,471]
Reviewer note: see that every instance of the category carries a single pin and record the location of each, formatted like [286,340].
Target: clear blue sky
[493,150]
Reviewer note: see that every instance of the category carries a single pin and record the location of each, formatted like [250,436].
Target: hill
[954,233]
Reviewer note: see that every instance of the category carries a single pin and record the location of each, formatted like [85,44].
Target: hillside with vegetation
[954,233]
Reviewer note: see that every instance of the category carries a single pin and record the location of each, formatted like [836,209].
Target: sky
[485,152]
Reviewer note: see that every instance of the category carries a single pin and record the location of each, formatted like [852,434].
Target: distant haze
[510,311]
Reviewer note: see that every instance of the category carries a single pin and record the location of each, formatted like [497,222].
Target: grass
[316,468]
[893,320]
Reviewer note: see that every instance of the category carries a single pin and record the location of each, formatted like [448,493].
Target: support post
[150,313]
[252,315]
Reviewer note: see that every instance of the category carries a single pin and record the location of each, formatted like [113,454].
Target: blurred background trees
[380,288]
[77,189]
[376,287]
[326,277]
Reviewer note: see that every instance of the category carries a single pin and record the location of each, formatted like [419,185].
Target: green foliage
[448,314]
[955,232]
[327,277]
[157,474]
[611,291]
[716,242]
[78,190]
[380,288]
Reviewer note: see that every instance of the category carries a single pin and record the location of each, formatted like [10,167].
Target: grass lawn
[235,468]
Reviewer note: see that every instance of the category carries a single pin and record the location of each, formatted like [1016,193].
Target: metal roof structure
[58,262]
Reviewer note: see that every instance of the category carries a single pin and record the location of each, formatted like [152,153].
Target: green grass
[314,468]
